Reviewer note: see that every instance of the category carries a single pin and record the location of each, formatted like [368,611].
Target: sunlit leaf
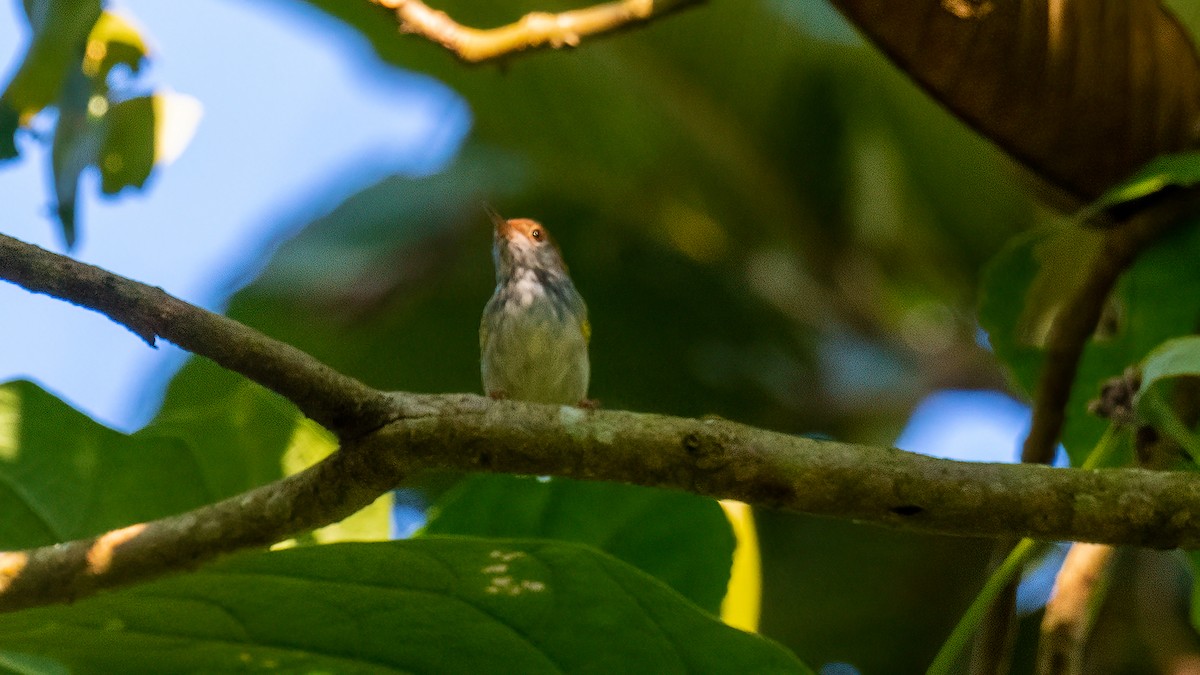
[311,444]
[114,40]
[142,132]
[59,33]
[176,117]
[743,599]
[438,605]
[682,539]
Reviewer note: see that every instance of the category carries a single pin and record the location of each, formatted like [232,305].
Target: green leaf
[1016,314]
[1179,357]
[682,539]
[77,137]
[23,664]
[142,132]
[1175,170]
[436,605]
[1175,358]
[63,476]
[126,155]
[310,444]
[1002,299]
[239,430]
[60,31]
[10,120]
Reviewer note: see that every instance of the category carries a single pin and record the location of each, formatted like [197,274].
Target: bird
[534,333]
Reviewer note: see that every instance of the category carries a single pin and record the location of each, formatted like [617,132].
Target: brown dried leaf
[1082,92]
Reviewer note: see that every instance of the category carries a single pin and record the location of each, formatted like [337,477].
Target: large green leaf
[64,476]
[681,539]
[239,430]
[436,605]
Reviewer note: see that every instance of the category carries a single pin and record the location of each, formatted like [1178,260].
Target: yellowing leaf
[742,605]
[115,39]
[311,444]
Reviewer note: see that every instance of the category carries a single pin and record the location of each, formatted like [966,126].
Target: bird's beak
[503,229]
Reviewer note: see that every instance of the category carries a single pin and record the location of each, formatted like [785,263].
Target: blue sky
[302,105]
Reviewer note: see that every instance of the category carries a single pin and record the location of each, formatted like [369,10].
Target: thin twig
[534,30]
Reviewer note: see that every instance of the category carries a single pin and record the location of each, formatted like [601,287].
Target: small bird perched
[533,337]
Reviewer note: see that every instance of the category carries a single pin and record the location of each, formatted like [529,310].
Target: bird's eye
[536,233]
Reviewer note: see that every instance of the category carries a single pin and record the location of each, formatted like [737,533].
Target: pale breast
[534,349]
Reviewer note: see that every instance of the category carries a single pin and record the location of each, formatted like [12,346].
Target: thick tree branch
[386,436]
[712,457]
[340,403]
[534,30]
